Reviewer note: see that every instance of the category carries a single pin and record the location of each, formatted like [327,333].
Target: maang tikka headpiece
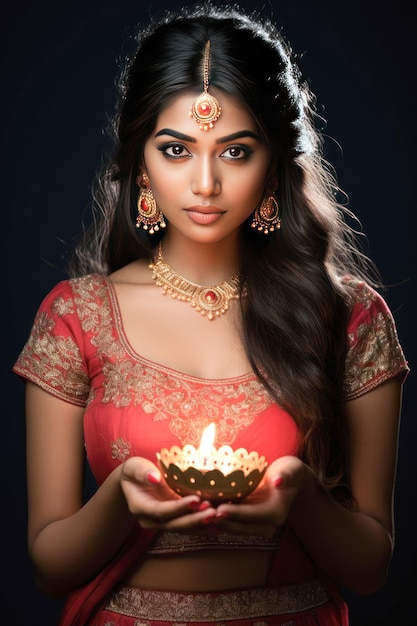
[206,109]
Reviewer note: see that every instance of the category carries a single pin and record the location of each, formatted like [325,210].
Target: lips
[204,214]
[204,208]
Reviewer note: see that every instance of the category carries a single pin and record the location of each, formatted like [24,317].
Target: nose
[205,180]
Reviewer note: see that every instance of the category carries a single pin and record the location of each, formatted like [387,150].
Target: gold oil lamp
[218,475]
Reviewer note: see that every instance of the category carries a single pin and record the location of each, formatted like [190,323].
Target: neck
[210,300]
[200,263]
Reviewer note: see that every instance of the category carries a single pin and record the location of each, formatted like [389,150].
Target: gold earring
[266,217]
[149,217]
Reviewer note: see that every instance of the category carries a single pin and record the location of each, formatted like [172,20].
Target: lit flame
[206,443]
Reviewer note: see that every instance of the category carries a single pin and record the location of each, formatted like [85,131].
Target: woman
[217,195]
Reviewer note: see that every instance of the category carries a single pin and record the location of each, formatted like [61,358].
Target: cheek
[164,183]
[251,190]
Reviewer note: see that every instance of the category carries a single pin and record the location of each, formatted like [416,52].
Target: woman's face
[206,183]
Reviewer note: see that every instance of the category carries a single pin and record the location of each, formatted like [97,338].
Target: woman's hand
[267,508]
[155,505]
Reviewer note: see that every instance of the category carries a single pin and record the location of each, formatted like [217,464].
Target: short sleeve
[53,354]
[374,354]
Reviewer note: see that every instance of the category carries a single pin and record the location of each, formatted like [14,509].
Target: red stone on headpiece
[206,109]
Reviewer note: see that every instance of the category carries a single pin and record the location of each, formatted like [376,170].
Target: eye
[236,153]
[174,150]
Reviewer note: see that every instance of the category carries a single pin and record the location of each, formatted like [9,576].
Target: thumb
[287,472]
[140,470]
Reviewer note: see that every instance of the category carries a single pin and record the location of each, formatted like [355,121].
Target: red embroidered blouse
[78,351]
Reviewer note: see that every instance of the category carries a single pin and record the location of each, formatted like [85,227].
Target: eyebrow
[238,135]
[225,139]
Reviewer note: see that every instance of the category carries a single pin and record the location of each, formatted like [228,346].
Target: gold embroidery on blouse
[161,392]
[120,449]
[188,407]
[95,314]
[375,353]
[54,361]
[63,307]
[232,407]
[183,608]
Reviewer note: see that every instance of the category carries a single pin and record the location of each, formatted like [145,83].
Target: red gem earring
[206,109]
[149,217]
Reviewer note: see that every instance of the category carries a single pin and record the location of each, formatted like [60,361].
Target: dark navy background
[58,67]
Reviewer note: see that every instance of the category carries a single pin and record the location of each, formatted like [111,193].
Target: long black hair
[297,306]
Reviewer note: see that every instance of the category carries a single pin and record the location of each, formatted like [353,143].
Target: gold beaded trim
[208,301]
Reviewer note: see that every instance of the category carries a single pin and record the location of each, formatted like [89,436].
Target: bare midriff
[203,571]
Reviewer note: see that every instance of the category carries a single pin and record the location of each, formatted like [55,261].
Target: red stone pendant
[210,297]
[206,110]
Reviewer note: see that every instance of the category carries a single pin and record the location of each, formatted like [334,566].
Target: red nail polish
[278,482]
[204,505]
[152,478]
[194,505]
[209,519]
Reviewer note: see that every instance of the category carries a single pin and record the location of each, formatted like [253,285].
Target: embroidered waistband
[208,607]
[175,543]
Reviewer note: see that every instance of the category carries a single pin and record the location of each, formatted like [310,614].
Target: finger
[244,512]
[151,505]
[141,471]
[187,522]
[286,471]
[272,509]
[148,495]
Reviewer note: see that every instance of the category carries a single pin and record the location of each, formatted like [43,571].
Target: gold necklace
[208,301]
